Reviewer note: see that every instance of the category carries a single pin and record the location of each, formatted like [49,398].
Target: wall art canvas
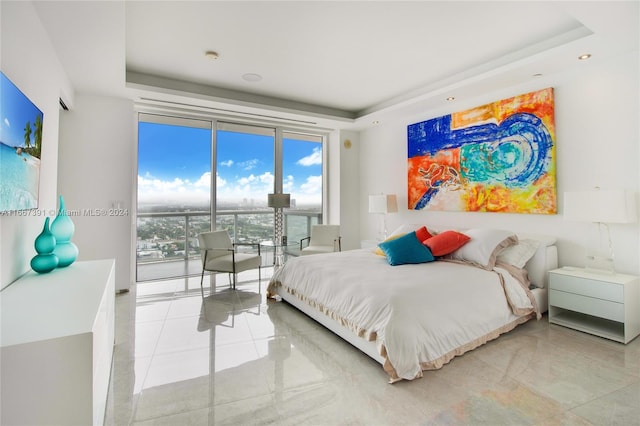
[20,148]
[498,157]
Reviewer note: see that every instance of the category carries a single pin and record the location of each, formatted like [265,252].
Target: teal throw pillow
[406,249]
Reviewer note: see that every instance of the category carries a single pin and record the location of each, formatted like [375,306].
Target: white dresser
[57,345]
[606,305]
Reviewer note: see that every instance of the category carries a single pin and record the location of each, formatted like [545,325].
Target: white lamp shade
[383,203]
[279,200]
[602,205]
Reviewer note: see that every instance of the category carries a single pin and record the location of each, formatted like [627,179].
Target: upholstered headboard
[544,260]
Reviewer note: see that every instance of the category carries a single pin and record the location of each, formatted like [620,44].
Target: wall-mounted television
[20,148]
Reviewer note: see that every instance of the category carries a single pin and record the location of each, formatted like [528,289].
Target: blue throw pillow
[406,249]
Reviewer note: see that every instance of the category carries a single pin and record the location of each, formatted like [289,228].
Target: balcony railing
[168,241]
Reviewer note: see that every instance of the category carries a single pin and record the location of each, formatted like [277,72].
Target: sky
[174,163]
[16,111]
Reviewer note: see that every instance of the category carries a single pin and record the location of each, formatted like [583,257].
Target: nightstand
[605,305]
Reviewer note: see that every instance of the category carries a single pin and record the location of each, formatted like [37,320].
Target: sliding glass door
[193,174]
[174,195]
[244,176]
[302,160]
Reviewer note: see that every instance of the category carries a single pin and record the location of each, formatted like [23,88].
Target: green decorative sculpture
[45,243]
[62,229]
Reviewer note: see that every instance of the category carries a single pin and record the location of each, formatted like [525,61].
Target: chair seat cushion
[317,250]
[244,262]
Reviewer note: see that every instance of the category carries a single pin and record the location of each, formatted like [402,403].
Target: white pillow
[519,254]
[484,246]
[406,228]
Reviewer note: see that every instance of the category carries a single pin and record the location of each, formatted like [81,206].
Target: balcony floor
[167,269]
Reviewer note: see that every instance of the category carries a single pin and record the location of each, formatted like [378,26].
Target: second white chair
[323,239]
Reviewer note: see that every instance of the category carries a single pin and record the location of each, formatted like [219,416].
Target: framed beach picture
[20,148]
[498,157]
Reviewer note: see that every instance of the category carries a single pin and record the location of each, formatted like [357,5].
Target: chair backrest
[214,239]
[324,235]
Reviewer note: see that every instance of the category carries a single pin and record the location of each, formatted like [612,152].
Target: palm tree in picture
[27,135]
[37,134]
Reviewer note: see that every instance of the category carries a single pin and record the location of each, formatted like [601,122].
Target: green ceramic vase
[62,229]
[45,243]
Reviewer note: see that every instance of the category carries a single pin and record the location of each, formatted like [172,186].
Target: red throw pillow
[445,242]
[423,234]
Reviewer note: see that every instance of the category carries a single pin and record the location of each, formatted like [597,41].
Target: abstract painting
[498,157]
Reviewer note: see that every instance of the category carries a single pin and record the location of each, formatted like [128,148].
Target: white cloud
[151,189]
[312,186]
[204,181]
[311,160]
[7,122]
[249,165]
[252,188]
[227,163]
[265,178]
[220,182]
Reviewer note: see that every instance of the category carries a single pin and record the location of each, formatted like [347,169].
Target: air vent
[228,111]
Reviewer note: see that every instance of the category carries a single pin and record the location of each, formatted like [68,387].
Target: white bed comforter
[420,316]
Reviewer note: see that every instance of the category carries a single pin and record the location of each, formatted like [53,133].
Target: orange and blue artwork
[498,157]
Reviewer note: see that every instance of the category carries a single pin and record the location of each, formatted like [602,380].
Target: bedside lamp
[601,206]
[383,204]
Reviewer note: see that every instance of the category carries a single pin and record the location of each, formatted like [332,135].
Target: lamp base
[600,265]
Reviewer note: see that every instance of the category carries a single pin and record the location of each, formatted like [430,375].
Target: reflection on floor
[234,358]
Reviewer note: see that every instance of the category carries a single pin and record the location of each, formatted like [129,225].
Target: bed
[414,315]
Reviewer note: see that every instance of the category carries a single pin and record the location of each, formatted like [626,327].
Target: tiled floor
[234,358]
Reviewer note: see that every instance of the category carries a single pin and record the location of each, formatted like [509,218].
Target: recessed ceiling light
[450,98]
[375,122]
[537,75]
[251,77]
[210,54]
[585,56]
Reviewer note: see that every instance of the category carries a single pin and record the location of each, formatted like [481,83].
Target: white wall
[349,189]
[96,177]
[29,61]
[597,145]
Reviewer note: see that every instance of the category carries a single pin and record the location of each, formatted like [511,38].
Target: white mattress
[418,316]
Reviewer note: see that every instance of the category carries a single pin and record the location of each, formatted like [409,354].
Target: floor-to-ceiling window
[245,164]
[302,161]
[195,173]
[174,194]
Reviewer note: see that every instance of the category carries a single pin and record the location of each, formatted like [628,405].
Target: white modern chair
[219,255]
[323,239]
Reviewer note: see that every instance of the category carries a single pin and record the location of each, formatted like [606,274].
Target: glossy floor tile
[230,357]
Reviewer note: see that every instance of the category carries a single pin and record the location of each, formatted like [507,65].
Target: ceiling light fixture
[251,77]
[375,122]
[537,75]
[585,56]
[450,98]
[210,54]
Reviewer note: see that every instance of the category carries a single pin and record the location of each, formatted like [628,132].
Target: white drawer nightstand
[601,304]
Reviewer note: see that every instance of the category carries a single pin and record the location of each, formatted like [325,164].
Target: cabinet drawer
[587,305]
[587,287]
